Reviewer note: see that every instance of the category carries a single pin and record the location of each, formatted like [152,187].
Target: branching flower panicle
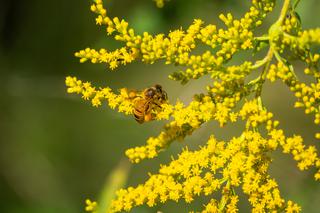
[219,166]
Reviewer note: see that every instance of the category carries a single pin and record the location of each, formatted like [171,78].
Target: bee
[150,99]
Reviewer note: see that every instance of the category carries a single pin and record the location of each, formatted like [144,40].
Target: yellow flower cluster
[163,186]
[308,95]
[302,41]
[212,206]
[176,47]
[223,166]
[292,207]
[156,144]
[280,71]
[103,56]
[122,100]
[91,206]
[219,166]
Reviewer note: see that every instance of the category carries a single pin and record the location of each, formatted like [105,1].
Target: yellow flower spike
[292,207]
[211,207]
[219,166]
[184,40]
[122,101]
[187,166]
[232,206]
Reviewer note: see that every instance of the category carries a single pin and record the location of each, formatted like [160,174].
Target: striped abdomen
[141,110]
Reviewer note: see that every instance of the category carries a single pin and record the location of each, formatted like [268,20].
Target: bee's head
[149,93]
[155,92]
[164,96]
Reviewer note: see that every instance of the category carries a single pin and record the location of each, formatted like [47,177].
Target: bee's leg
[157,105]
[135,97]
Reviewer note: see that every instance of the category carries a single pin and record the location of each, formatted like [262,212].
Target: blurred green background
[56,150]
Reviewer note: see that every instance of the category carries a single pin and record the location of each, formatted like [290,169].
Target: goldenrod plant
[219,167]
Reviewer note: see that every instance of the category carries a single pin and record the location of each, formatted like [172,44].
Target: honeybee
[150,99]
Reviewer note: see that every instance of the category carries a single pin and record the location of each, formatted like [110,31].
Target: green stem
[290,36]
[260,103]
[263,78]
[262,62]
[262,38]
[224,198]
[274,31]
[296,4]
[283,13]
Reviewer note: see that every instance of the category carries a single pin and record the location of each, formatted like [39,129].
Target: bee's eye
[158,88]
